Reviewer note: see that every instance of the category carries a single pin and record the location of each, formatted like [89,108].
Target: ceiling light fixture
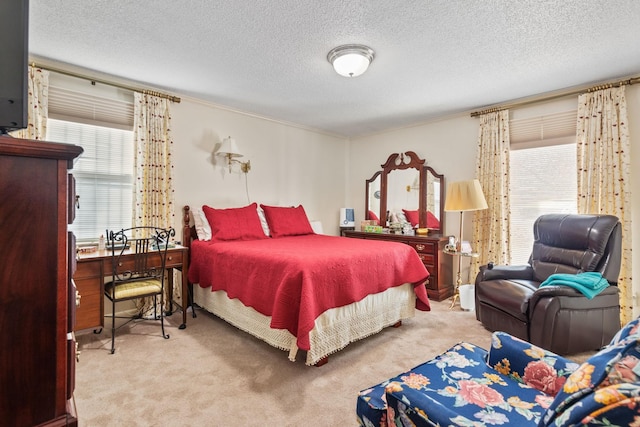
[350,60]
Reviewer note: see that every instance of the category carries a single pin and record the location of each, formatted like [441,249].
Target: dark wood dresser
[430,249]
[37,295]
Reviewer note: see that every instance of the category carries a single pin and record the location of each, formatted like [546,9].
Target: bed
[298,290]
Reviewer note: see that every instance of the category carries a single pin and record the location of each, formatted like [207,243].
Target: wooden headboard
[188,231]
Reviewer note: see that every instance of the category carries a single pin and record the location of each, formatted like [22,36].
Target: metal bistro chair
[138,269]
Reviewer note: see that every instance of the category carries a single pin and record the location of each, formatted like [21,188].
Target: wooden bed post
[186,230]
[186,241]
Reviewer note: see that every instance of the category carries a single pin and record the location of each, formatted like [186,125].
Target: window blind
[552,129]
[543,175]
[73,105]
[103,174]
[100,120]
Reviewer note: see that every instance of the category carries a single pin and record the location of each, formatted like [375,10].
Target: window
[543,175]
[103,174]
[99,118]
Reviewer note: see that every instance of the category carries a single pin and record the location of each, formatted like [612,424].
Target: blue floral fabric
[515,383]
[631,328]
[605,390]
[459,388]
[529,364]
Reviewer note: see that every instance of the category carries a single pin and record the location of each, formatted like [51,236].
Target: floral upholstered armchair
[514,383]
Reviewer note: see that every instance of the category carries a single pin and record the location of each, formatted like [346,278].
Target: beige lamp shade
[229,148]
[465,196]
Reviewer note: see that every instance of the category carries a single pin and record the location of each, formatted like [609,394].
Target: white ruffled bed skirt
[333,330]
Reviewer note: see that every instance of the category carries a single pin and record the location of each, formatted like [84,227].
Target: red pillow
[412,217]
[234,223]
[285,221]
[373,216]
[432,221]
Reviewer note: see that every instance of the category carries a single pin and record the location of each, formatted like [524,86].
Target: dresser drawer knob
[170,258]
[78,297]
[420,247]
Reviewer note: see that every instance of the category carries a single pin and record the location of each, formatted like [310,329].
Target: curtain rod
[94,81]
[629,81]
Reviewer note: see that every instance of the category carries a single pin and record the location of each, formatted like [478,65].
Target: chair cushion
[133,289]
[509,296]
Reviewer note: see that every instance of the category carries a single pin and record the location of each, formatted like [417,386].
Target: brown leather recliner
[557,318]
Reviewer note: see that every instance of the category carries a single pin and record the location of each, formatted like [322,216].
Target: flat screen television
[14,57]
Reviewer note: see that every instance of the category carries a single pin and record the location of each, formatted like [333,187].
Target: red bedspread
[295,279]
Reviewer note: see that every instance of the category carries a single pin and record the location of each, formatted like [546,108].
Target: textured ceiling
[433,58]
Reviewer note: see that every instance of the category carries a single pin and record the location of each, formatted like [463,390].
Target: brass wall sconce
[229,149]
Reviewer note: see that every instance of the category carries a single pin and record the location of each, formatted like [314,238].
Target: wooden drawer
[91,289]
[72,348]
[71,200]
[432,281]
[87,269]
[89,312]
[424,248]
[89,286]
[428,260]
[174,259]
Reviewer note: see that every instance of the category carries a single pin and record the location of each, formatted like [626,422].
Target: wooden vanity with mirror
[407,189]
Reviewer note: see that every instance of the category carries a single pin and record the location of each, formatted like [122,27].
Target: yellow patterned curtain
[153,200]
[38,105]
[153,186]
[491,226]
[604,174]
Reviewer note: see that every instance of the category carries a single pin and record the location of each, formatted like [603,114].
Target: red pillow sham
[412,217]
[234,223]
[432,221]
[287,221]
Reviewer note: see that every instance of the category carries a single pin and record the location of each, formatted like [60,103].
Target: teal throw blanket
[589,283]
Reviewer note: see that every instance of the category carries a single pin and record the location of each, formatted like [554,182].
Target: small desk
[93,267]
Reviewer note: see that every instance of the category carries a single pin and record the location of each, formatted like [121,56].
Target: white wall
[289,165]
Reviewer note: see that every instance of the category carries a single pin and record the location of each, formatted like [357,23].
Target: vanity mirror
[405,186]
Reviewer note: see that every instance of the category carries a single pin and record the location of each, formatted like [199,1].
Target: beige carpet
[212,374]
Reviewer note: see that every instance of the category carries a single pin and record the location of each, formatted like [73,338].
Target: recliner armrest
[522,272]
[529,364]
[563,291]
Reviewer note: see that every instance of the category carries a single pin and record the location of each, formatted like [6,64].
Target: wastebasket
[467,297]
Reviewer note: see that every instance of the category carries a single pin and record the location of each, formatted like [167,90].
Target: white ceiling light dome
[350,60]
